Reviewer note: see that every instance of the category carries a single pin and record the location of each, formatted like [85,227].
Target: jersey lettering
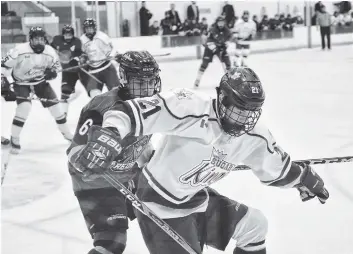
[149,107]
[85,126]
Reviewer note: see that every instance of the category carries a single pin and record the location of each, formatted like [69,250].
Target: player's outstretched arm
[166,113]
[273,166]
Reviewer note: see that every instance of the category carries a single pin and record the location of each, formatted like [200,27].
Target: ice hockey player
[216,44]
[98,49]
[103,207]
[31,65]
[204,140]
[244,32]
[7,94]
[69,49]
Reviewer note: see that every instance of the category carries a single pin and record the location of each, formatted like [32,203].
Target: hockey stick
[92,76]
[146,211]
[311,161]
[40,99]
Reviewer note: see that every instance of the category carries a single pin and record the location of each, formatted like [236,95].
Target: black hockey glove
[103,146]
[50,74]
[74,62]
[311,185]
[6,91]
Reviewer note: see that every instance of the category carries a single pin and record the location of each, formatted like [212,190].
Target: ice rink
[308,108]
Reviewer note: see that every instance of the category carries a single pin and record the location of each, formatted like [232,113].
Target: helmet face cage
[235,119]
[68,33]
[138,86]
[89,28]
[37,39]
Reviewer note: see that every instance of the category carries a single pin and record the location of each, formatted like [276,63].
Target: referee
[324,21]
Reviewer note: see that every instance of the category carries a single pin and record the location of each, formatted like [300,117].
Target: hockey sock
[21,115]
[60,118]
[241,251]
[93,93]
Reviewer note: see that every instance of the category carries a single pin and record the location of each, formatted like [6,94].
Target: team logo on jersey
[208,171]
[183,94]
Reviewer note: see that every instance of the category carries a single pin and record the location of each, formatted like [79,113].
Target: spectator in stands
[191,28]
[275,23]
[174,16]
[145,16]
[254,18]
[288,23]
[229,14]
[166,24]
[318,6]
[347,19]
[4,9]
[335,19]
[126,28]
[204,26]
[323,20]
[265,23]
[193,12]
[154,29]
[299,19]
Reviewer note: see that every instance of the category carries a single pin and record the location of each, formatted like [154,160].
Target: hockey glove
[50,74]
[118,57]
[103,146]
[211,46]
[6,91]
[74,62]
[83,58]
[311,185]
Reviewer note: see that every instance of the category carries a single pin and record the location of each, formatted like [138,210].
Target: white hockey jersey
[243,30]
[28,67]
[99,48]
[194,151]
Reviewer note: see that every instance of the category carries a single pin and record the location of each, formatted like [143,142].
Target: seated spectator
[254,18]
[275,23]
[334,18]
[154,29]
[288,23]
[347,19]
[265,23]
[166,24]
[204,26]
[299,20]
[191,28]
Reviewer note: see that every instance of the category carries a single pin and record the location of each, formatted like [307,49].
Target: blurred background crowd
[150,19]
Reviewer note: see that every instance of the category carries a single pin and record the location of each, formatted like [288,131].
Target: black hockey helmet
[37,39]
[68,30]
[90,23]
[240,97]
[139,75]
[220,22]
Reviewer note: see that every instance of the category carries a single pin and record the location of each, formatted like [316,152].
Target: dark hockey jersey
[219,36]
[66,50]
[129,160]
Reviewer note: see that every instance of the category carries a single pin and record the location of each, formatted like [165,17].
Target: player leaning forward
[31,65]
[205,139]
[102,206]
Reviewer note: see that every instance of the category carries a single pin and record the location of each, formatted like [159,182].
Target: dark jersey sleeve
[78,47]
[92,114]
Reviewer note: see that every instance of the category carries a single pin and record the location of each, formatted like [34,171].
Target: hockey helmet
[220,22]
[139,75]
[90,28]
[68,33]
[240,97]
[37,39]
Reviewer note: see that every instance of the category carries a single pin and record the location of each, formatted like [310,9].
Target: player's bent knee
[114,242]
[57,112]
[251,231]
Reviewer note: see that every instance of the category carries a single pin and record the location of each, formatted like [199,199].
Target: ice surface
[308,109]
